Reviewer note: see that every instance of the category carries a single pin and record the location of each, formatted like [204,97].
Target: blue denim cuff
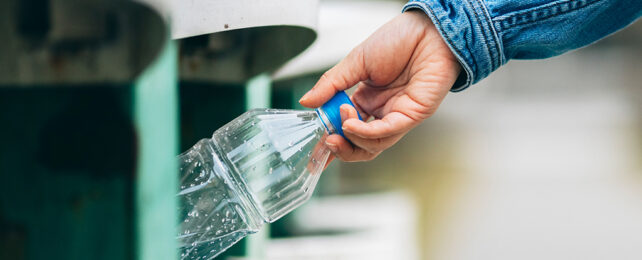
[467,28]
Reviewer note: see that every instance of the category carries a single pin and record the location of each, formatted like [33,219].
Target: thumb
[347,73]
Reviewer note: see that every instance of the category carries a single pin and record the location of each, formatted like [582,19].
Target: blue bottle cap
[332,113]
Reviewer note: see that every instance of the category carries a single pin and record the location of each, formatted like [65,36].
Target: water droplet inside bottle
[262,143]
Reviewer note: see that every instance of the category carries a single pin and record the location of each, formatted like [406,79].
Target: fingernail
[306,96]
[343,113]
[343,126]
[332,147]
[303,98]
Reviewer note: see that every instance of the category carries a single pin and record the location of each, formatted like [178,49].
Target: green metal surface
[67,164]
[87,161]
[89,172]
[204,107]
[258,95]
[258,92]
[156,121]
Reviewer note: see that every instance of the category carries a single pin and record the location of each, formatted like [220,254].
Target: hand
[402,73]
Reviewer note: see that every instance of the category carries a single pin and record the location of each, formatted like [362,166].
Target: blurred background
[539,161]
[542,160]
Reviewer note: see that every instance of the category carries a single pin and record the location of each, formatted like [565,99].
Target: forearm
[485,34]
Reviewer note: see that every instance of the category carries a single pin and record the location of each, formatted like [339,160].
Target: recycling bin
[88,131]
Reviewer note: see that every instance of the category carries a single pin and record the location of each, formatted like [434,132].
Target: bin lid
[232,41]
[197,17]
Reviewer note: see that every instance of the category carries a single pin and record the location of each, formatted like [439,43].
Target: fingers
[361,149]
[375,145]
[327,163]
[392,124]
[346,152]
[362,112]
[347,73]
[341,148]
[371,145]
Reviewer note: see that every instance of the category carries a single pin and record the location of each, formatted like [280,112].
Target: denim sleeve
[485,34]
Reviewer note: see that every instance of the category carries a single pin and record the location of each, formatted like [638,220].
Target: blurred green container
[88,127]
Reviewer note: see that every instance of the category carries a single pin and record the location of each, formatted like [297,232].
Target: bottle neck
[323,117]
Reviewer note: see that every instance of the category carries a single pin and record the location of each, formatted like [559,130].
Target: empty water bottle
[253,170]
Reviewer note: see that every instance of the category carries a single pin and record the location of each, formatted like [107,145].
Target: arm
[404,70]
[485,34]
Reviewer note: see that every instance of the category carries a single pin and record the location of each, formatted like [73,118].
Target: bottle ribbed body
[278,154]
[255,169]
[213,208]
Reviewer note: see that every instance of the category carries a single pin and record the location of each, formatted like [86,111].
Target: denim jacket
[485,34]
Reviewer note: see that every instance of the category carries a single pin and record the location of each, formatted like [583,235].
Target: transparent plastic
[253,170]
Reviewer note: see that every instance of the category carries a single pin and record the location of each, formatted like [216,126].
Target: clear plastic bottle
[253,170]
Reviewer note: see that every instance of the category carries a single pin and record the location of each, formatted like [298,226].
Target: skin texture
[402,72]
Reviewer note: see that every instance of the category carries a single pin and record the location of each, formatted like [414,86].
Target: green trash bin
[88,127]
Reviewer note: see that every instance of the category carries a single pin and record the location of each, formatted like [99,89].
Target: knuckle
[336,79]
[353,158]
[325,76]
[385,144]
[370,147]
[342,157]
[377,145]
[372,156]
